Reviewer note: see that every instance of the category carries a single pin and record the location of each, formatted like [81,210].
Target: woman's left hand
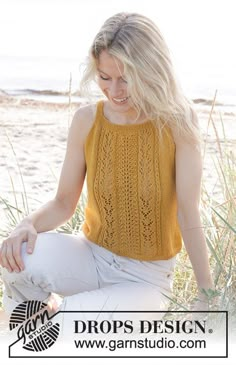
[201,304]
[206,300]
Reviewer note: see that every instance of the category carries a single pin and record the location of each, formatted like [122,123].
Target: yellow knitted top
[131,208]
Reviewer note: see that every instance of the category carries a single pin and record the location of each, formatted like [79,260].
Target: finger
[31,242]
[11,259]
[17,255]
[4,259]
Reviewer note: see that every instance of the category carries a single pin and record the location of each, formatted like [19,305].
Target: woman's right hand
[10,252]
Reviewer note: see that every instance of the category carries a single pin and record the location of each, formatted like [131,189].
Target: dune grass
[218,215]
[218,212]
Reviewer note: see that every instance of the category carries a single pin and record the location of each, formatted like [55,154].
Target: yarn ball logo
[34,326]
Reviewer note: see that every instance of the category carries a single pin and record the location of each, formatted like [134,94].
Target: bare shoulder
[83,119]
[184,140]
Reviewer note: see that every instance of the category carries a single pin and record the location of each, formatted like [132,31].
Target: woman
[140,149]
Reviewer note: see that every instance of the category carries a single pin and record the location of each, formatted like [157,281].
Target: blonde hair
[136,41]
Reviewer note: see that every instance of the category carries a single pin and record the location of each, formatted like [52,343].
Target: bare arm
[188,186]
[59,209]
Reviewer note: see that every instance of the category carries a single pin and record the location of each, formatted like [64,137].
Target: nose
[115,88]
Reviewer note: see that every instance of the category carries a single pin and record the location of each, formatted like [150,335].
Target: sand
[33,137]
[32,140]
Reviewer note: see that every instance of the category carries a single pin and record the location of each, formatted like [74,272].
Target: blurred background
[42,45]
[43,42]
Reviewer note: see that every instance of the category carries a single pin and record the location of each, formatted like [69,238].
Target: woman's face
[111,81]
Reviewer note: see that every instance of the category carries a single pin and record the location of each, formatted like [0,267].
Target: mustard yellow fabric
[131,208]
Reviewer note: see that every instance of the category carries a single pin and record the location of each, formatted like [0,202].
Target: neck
[129,116]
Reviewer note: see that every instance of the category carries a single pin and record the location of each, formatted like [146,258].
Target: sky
[200,34]
[59,27]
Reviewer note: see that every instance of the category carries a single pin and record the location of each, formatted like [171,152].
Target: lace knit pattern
[131,207]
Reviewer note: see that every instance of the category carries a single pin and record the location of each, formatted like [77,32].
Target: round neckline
[122,126]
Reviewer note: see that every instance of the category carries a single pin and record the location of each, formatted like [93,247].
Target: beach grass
[218,216]
[218,213]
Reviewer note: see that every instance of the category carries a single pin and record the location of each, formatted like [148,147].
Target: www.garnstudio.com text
[99,337]
[162,343]
[144,327]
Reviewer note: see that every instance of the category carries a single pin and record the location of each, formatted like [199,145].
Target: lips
[120,101]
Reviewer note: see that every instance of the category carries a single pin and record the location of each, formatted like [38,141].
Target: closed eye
[106,79]
[103,78]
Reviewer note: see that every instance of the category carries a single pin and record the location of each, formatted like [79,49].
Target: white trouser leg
[124,285]
[90,278]
[61,263]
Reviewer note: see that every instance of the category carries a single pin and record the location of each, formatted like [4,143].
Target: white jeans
[89,277]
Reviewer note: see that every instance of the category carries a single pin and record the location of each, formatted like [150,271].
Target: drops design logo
[34,326]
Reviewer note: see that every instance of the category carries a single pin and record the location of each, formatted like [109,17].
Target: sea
[50,79]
